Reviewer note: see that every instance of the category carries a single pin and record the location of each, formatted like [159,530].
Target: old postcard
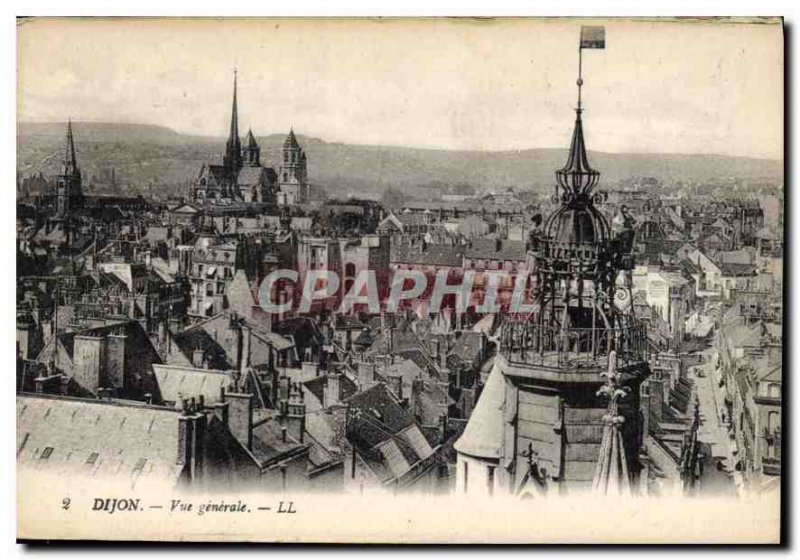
[400,280]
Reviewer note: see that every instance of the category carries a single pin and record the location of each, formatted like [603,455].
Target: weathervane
[592,37]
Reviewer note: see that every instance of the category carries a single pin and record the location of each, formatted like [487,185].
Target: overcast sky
[489,84]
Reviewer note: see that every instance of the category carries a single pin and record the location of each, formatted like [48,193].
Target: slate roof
[496,249]
[316,386]
[433,255]
[98,438]
[385,435]
[196,338]
[268,443]
[249,176]
[737,269]
[485,431]
[176,382]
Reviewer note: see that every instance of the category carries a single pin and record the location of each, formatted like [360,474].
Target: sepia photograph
[400,280]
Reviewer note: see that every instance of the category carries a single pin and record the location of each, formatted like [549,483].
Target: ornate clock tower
[560,409]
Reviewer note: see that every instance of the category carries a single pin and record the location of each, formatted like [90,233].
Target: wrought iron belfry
[577,262]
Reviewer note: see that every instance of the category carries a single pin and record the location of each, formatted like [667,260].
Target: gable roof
[385,435]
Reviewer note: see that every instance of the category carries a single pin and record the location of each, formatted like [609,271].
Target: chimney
[244,356]
[191,433]
[197,357]
[240,417]
[221,408]
[89,369]
[366,375]
[274,387]
[332,390]
[116,360]
[295,419]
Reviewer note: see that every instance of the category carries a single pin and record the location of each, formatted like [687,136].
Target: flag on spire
[593,37]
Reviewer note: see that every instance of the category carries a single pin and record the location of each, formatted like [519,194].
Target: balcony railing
[554,346]
[618,251]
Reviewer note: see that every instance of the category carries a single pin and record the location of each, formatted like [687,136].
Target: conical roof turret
[577,176]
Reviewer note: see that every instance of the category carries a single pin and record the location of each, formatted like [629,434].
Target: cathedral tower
[251,153]
[293,173]
[68,184]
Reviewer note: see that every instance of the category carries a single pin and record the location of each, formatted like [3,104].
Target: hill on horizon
[151,154]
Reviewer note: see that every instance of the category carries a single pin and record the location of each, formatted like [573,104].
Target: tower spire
[70,161]
[577,177]
[233,149]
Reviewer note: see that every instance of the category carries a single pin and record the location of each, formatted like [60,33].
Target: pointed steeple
[251,152]
[250,140]
[68,184]
[233,148]
[70,166]
[577,176]
[291,140]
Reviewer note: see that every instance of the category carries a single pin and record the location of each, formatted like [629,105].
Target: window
[46,453]
[466,475]
[139,467]
[490,478]
[92,459]
[774,422]
[774,390]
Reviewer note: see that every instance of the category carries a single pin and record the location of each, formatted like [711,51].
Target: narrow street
[713,431]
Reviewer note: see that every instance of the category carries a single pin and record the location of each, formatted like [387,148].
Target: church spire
[70,161]
[233,148]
